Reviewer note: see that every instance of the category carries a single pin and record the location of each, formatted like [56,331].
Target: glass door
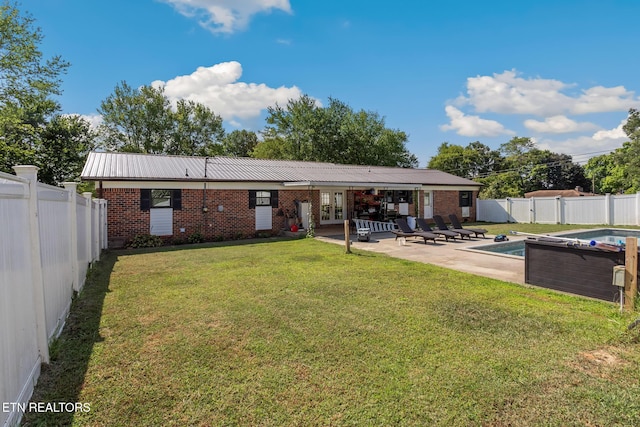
[331,207]
[428,204]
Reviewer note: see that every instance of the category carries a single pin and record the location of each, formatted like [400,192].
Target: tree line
[518,166]
[144,120]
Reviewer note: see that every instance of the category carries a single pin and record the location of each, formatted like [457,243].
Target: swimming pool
[515,249]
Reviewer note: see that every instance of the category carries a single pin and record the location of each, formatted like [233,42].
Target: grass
[298,333]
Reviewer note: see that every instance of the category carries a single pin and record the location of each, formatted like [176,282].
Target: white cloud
[472,126]
[218,88]
[581,148]
[602,99]
[558,124]
[226,16]
[507,93]
[612,134]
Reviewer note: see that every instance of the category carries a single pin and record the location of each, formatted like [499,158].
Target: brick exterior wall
[446,202]
[236,220]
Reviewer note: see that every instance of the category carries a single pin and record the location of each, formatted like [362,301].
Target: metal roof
[101,166]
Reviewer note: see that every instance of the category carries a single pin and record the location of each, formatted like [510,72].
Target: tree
[619,171]
[27,82]
[605,174]
[65,143]
[450,158]
[629,154]
[239,143]
[196,130]
[501,185]
[305,131]
[541,169]
[143,121]
[473,161]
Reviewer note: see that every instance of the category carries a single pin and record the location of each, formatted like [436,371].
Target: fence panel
[585,210]
[19,358]
[82,205]
[520,210]
[494,210]
[48,238]
[545,210]
[625,209]
[621,209]
[55,244]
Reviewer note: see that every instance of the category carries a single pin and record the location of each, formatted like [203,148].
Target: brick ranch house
[231,197]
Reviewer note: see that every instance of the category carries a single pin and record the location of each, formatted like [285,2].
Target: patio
[449,254]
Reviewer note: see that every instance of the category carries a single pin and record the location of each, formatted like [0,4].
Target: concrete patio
[451,254]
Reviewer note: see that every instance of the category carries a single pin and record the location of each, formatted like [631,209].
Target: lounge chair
[422,223]
[458,226]
[443,227]
[406,231]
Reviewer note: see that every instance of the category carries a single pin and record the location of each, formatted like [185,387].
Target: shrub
[196,237]
[146,241]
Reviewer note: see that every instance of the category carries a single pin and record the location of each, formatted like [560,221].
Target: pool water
[605,235]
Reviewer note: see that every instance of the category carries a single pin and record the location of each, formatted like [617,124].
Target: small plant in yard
[146,241]
[196,237]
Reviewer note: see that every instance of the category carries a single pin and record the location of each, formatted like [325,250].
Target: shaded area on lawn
[62,379]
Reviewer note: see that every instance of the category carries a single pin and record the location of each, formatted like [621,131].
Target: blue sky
[563,72]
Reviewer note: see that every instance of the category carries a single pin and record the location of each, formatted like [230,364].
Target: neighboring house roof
[147,167]
[556,193]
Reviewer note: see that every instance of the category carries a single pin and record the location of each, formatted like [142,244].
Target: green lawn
[295,332]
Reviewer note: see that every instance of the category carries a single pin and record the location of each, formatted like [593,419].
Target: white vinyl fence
[48,238]
[607,209]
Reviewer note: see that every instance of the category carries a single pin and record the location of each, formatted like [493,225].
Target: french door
[331,207]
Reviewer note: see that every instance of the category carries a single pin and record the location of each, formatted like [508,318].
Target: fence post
[95,207]
[558,212]
[89,239]
[71,187]
[631,273]
[31,173]
[532,210]
[607,208]
[638,208]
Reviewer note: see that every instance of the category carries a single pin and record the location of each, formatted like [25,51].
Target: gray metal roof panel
[128,166]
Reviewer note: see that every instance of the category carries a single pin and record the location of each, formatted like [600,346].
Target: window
[160,198]
[466,198]
[263,198]
[156,198]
